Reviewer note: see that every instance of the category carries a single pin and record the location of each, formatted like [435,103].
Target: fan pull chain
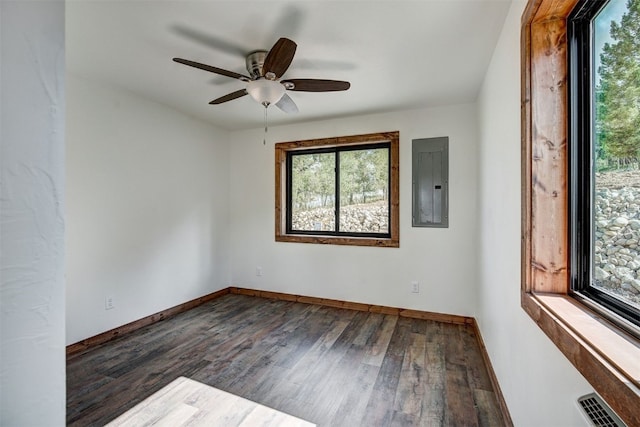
[266,126]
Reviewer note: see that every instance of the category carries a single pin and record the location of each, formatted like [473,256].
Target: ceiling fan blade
[279,57]
[316,85]
[287,105]
[212,69]
[230,97]
[210,40]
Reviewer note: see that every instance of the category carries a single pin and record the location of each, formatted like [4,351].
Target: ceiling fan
[264,82]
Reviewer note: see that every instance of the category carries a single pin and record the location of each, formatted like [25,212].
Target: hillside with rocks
[617,234]
[365,218]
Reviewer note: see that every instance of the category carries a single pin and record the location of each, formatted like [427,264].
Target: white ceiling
[396,54]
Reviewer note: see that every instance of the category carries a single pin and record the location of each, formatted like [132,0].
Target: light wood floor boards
[187,402]
[329,366]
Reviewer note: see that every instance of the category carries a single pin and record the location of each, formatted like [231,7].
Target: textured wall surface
[32,329]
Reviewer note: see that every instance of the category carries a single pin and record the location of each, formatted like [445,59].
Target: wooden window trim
[603,353]
[281,150]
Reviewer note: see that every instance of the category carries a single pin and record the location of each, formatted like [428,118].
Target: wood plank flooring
[329,366]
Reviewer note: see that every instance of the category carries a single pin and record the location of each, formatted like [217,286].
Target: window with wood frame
[604,145]
[604,353]
[341,190]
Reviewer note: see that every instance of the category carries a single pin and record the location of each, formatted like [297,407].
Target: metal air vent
[598,412]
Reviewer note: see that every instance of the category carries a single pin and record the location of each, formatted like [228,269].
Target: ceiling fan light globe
[265,91]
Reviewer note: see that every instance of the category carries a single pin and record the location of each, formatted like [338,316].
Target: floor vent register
[598,413]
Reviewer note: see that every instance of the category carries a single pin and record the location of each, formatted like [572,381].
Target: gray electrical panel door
[430,162]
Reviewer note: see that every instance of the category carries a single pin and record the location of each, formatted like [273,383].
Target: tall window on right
[604,61]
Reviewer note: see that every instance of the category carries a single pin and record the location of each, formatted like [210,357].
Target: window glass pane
[313,192]
[616,144]
[364,191]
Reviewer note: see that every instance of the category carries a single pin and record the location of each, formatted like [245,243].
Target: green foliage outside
[313,183]
[618,94]
[363,178]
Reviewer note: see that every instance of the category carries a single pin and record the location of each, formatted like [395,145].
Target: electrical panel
[430,166]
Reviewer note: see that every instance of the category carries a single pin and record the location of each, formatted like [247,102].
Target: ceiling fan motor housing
[255,62]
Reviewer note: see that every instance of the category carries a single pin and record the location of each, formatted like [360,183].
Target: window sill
[604,355]
[330,240]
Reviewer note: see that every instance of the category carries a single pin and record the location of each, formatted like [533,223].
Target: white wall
[147,210]
[442,260]
[32,363]
[539,383]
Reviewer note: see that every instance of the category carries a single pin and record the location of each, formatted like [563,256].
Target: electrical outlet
[415,287]
[108,303]
[258,271]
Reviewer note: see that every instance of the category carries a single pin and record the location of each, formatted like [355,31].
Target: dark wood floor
[333,367]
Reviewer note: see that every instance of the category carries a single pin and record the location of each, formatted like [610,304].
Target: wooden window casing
[607,357]
[281,150]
